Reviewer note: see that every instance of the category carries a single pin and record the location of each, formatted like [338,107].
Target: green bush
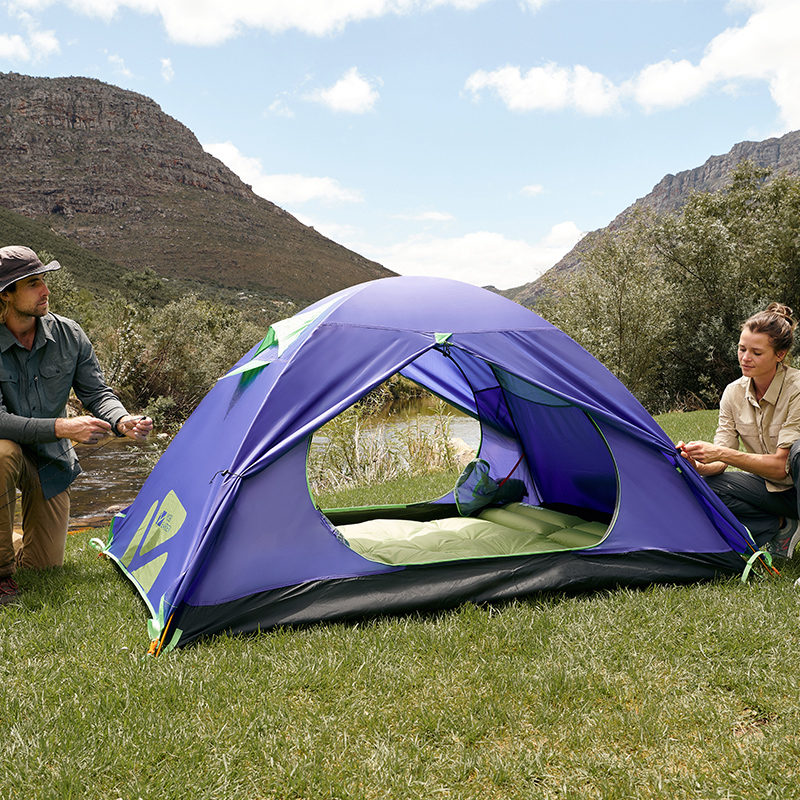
[660,301]
[174,354]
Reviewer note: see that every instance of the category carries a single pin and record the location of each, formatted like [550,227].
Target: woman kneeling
[762,411]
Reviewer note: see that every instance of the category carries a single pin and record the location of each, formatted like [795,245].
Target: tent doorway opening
[415,492]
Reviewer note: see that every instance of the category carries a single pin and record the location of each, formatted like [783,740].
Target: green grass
[689,426]
[667,692]
[395,492]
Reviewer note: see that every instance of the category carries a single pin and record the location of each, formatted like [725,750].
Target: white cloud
[482,258]
[119,64]
[212,22]
[281,189]
[167,71]
[44,44]
[105,9]
[669,84]
[563,236]
[288,189]
[766,49]
[548,88]
[35,46]
[14,48]
[532,190]
[351,93]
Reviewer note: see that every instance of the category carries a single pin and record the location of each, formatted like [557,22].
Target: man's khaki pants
[44,522]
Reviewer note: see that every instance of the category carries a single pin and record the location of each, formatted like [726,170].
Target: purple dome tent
[224,535]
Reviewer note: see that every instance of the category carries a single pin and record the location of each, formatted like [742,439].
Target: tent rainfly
[225,536]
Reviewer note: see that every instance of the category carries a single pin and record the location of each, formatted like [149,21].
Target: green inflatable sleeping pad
[515,529]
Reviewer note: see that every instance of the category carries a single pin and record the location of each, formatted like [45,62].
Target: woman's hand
[705,457]
[711,459]
[700,452]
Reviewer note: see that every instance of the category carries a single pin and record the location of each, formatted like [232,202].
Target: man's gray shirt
[35,387]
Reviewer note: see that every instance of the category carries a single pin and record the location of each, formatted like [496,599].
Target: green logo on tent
[171,515]
[156,528]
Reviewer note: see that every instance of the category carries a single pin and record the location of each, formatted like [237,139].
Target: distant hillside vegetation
[109,170]
[91,272]
[672,192]
[99,278]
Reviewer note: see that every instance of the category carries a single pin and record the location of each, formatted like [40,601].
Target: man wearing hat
[42,357]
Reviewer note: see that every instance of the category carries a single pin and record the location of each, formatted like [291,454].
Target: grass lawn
[695,425]
[667,692]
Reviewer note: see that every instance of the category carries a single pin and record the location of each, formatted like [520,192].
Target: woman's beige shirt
[762,426]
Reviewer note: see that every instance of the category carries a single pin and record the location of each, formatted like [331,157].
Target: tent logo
[164,520]
[156,528]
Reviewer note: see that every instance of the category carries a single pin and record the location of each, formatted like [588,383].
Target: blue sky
[473,139]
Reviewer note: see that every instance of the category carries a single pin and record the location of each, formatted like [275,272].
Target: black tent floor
[432,587]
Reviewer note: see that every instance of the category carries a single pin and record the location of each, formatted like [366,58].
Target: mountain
[670,194]
[109,170]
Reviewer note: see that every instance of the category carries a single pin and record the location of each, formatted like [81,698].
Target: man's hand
[86,430]
[136,428]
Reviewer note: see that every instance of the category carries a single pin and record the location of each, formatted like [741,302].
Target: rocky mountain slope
[108,169]
[781,154]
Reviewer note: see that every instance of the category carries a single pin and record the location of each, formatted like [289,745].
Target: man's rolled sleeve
[26,430]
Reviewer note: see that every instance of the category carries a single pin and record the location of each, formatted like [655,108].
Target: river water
[115,470]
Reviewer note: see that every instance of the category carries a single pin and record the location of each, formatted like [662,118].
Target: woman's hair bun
[777,322]
[783,311]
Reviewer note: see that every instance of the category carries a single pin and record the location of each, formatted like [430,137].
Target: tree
[726,256]
[661,300]
[614,307]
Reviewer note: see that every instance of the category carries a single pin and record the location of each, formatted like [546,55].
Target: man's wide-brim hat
[17,262]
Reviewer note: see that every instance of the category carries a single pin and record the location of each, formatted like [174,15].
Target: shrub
[354,449]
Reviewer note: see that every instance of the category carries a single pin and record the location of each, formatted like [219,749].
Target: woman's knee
[793,462]
[733,482]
